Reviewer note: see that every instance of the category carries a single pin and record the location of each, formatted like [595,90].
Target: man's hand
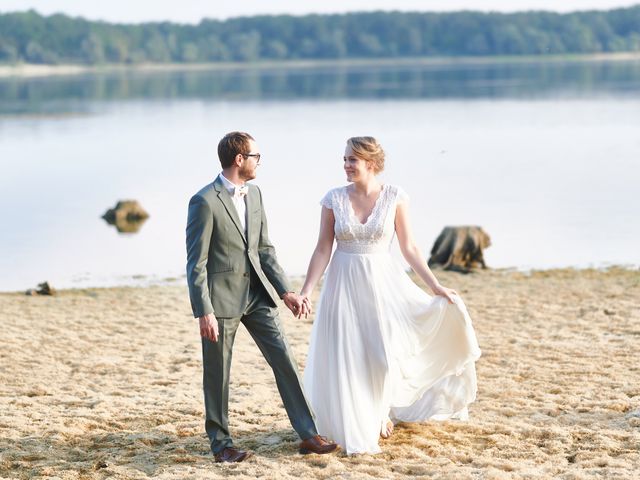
[296,304]
[209,327]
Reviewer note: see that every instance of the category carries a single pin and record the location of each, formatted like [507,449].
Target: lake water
[544,156]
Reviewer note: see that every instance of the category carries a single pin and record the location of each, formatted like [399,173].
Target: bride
[382,350]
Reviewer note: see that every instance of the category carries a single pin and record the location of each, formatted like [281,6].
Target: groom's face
[249,167]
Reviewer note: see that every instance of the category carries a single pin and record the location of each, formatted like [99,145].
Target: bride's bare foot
[386,429]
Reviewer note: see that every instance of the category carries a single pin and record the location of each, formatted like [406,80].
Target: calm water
[546,157]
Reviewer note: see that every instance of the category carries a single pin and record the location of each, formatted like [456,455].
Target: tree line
[34,38]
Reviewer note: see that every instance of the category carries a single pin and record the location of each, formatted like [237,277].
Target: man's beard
[247,173]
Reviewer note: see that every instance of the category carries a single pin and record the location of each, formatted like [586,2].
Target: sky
[192,11]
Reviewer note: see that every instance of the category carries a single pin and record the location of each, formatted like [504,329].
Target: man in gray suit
[234,277]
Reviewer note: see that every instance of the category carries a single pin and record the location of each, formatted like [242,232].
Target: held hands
[306,304]
[445,292]
[209,327]
[298,304]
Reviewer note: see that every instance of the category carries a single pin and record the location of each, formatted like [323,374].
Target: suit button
[248,250]
[245,274]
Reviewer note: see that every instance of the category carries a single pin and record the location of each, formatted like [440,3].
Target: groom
[232,272]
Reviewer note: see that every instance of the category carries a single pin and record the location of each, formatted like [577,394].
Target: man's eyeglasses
[256,155]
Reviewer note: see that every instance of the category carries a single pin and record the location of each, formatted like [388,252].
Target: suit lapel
[252,205]
[225,198]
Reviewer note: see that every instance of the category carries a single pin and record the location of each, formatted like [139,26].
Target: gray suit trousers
[262,322]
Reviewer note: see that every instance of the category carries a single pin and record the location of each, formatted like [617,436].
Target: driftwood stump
[460,248]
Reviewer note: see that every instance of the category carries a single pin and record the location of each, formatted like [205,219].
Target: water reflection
[494,80]
[124,225]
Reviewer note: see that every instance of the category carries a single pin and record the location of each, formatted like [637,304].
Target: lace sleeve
[401,196]
[327,200]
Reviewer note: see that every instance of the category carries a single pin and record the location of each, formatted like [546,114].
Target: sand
[106,383]
[26,70]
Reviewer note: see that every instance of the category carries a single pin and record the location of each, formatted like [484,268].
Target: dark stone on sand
[43,289]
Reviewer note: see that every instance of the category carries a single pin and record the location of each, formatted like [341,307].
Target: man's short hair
[231,145]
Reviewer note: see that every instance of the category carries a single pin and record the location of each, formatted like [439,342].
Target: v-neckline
[352,212]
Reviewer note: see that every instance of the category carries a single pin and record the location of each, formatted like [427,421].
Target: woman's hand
[445,292]
[306,306]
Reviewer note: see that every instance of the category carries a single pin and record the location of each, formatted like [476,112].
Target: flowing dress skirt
[381,346]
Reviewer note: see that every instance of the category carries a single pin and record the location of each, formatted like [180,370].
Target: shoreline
[143,282]
[36,70]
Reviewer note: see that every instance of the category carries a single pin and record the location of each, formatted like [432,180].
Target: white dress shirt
[238,201]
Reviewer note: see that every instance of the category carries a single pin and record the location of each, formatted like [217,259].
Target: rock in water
[460,248]
[127,216]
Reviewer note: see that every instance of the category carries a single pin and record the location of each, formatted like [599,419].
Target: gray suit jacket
[220,257]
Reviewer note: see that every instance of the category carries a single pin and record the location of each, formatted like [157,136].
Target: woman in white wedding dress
[382,350]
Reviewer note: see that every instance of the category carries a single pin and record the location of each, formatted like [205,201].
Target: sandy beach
[106,383]
[27,70]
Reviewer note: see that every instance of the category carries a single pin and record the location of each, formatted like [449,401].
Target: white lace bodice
[373,236]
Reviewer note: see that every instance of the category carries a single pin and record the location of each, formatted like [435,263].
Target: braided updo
[369,150]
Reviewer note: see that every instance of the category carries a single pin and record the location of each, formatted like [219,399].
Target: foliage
[31,37]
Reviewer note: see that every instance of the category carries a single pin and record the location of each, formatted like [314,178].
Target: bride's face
[356,168]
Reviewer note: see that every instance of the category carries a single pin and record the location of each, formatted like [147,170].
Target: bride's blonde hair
[368,149]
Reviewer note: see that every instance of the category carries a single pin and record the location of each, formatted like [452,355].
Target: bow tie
[240,192]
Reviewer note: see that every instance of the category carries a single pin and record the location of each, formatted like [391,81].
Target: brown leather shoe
[231,454]
[317,444]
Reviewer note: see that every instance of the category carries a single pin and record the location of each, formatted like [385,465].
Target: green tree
[190,52]
[244,47]
[8,52]
[333,45]
[275,49]
[478,45]
[212,49]
[92,49]
[116,48]
[36,53]
[157,49]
